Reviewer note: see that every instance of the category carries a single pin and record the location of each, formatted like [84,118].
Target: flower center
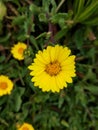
[20,50]
[3,85]
[25,128]
[53,68]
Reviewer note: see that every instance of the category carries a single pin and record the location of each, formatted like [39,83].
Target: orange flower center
[20,50]
[25,128]
[53,68]
[3,85]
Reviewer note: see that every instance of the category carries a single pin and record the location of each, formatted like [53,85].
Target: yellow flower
[53,68]
[18,50]
[6,85]
[26,126]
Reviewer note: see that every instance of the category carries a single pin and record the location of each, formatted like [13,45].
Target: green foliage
[38,24]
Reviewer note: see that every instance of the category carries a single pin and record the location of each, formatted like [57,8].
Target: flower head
[26,126]
[18,50]
[53,68]
[6,85]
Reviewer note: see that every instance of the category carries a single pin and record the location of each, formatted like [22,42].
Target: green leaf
[17,103]
[46,4]
[92,88]
[5,38]
[60,102]
[61,34]
[75,6]
[3,10]
[3,100]
[55,18]
[65,123]
[34,9]
[79,6]
[2,58]
[1,68]
[42,17]
[19,20]
[54,6]
[61,19]
[91,22]
[44,34]
[16,98]
[34,42]
[87,12]
[22,37]
[78,38]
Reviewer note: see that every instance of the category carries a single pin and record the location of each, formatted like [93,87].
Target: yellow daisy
[6,85]
[53,68]
[26,126]
[18,50]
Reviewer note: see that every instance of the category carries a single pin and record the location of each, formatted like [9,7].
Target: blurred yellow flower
[18,50]
[6,85]
[26,126]
[53,68]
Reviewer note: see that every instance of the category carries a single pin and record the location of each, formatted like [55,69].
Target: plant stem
[59,6]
